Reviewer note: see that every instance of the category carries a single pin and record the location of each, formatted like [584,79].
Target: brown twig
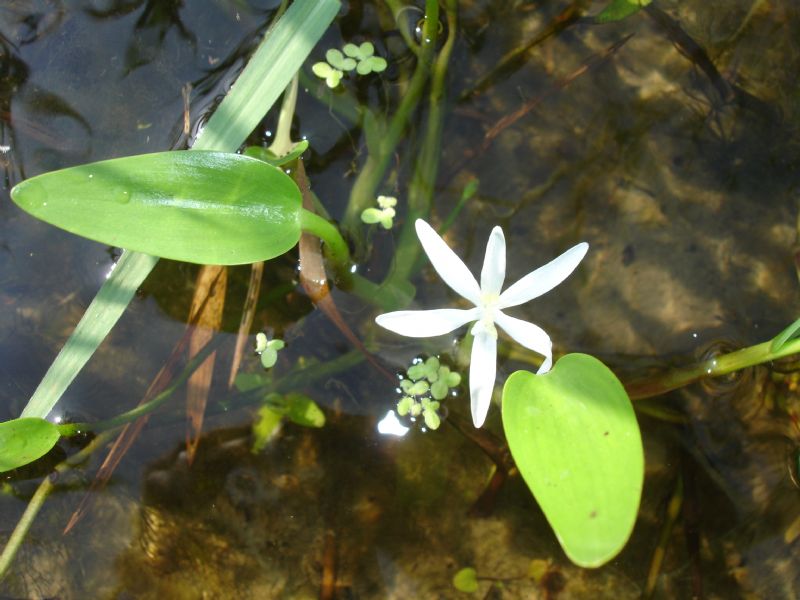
[508,120]
[516,57]
[559,85]
[246,323]
[208,303]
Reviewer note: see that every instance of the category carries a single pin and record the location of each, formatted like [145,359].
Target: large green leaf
[575,439]
[271,69]
[22,441]
[204,207]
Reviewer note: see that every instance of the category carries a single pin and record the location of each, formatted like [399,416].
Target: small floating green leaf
[24,440]
[302,410]
[203,207]
[339,61]
[321,69]
[373,64]
[575,439]
[264,427]
[620,9]
[324,71]
[466,580]
[365,50]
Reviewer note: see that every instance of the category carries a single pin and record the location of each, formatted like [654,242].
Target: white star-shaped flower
[488,308]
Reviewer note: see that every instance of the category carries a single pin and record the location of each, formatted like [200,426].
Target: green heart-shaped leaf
[204,207]
[466,580]
[24,440]
[575,439]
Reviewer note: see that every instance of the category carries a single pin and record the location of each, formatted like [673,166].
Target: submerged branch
[515,58]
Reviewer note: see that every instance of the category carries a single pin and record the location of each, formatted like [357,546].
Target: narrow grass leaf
[104,311]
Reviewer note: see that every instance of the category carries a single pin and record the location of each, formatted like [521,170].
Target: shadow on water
[676,159]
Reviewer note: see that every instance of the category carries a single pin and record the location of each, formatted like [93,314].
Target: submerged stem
[37,501]
[371,175]
[68,429]
[647,387]
[421,189]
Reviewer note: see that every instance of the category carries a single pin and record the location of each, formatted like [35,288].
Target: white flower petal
[482,372]
[426,323]
[529,335]
[544,278]
[494,263]
[451,269]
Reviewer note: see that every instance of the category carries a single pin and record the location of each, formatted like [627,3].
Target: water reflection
[157,19]
[391,425]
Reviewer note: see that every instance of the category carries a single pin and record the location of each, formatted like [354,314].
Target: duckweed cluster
[428,382]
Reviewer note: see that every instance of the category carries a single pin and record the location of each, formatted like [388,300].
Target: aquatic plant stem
[282,144]
[723,364]
[68,429]
[397,7]
[421,189]
[37,500]
[366,185]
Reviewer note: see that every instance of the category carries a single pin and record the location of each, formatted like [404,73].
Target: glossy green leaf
[22,441]
[575,439]
[203,207]
[620,9]
[466,580]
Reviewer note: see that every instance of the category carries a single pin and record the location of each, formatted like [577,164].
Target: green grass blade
[102,314]
[290,42]
[283,50]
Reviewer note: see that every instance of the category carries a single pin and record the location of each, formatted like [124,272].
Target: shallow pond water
[668,141]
